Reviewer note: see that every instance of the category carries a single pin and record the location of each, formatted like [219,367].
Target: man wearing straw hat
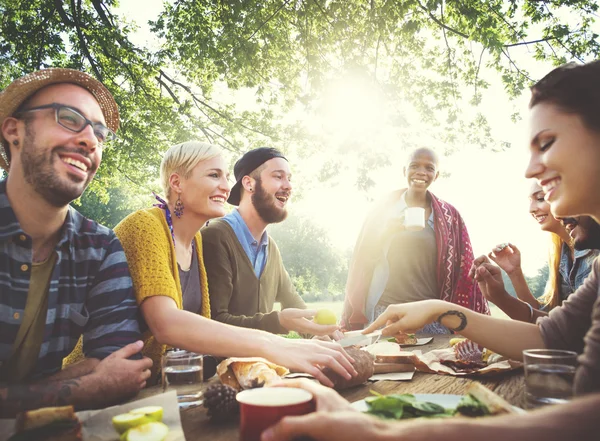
[61,275]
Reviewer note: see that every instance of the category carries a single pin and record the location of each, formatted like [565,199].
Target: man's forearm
[85,392]
[79,392]
[76,370]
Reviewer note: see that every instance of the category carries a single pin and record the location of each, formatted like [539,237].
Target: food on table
[137,417]
[363,363]
[389,368]
[454,341]
[403,338]
[388,352]
[153,413]
[220,401]
[495,404]
[403,406]
[154,431]
[479,401]
[325,316]
[249,373]
[125,423]
[122,423]
[48,424]
[470,356]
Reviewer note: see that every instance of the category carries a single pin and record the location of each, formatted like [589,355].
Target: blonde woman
[570,262]
[163,247]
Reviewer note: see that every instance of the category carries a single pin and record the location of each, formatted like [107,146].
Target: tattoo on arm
[460,315]
[19,397]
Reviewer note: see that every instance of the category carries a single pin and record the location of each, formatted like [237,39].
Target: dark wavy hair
[574,88]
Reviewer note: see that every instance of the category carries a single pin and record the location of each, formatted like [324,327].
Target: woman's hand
[300,320]
[508,257]
[310,356]
[407,317]
[327,400]
[489,279]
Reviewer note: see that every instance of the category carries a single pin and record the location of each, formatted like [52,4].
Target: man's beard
[38,170]
[264,204]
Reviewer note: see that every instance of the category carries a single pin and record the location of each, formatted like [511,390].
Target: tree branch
[515,66]
[323,12]
[436,20]
[58,4]
[81,37]
[205,104]
[162,83]
[541,40]
[268,19]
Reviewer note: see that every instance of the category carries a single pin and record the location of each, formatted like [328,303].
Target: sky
[488,188]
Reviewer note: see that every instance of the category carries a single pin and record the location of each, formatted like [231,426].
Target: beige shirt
[576,326]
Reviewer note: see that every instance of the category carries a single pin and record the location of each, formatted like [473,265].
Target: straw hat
[22,88]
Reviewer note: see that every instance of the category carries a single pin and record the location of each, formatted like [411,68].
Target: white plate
[447,401]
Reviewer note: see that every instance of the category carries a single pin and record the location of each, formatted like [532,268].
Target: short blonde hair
[182,158]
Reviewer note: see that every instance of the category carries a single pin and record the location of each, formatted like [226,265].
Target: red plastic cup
[262,408]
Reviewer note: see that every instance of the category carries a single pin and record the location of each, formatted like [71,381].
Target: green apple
[325,317]
[154,431]
[126,421]
[153,413]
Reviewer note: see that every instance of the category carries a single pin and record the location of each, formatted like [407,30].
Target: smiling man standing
[245,271]
[61,275]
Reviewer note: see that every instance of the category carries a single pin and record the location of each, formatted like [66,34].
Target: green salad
[404,406]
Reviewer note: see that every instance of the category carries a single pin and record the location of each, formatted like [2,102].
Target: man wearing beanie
[62,276]
[245,271]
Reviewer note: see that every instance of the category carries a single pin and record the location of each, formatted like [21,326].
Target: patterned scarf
[454,260]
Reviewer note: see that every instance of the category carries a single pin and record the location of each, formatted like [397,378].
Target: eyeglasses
[74,121]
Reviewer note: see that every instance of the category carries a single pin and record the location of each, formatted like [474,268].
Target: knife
[355,338]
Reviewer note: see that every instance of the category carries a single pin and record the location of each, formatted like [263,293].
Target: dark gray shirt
[412,258]
[190,286]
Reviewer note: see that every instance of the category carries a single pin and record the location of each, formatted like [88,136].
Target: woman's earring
[178,207]
[15,142]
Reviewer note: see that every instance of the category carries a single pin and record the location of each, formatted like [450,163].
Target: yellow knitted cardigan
[150,253]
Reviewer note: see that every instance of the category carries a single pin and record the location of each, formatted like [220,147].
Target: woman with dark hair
[565,160]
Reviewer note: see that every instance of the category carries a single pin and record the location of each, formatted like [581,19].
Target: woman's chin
[217,213]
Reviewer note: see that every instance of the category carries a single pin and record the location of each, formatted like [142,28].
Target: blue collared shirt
[256,251]
[90,290]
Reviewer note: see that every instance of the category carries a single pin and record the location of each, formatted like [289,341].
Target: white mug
[414,218]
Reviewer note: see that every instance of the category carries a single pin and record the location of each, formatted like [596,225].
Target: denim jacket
[573,274]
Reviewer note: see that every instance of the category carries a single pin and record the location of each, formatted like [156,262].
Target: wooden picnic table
[509,385]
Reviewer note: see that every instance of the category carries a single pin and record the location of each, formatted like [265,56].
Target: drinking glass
[182,371]
[549,375]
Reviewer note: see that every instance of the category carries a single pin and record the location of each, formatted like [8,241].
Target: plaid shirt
[90,290]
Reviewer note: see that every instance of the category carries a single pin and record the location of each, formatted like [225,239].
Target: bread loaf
[363,363]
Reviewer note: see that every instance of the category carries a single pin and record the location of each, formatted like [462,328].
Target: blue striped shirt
[90,291]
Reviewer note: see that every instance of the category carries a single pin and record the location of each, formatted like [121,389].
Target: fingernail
[267,435]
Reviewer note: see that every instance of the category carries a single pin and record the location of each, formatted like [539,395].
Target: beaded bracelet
[530,312]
